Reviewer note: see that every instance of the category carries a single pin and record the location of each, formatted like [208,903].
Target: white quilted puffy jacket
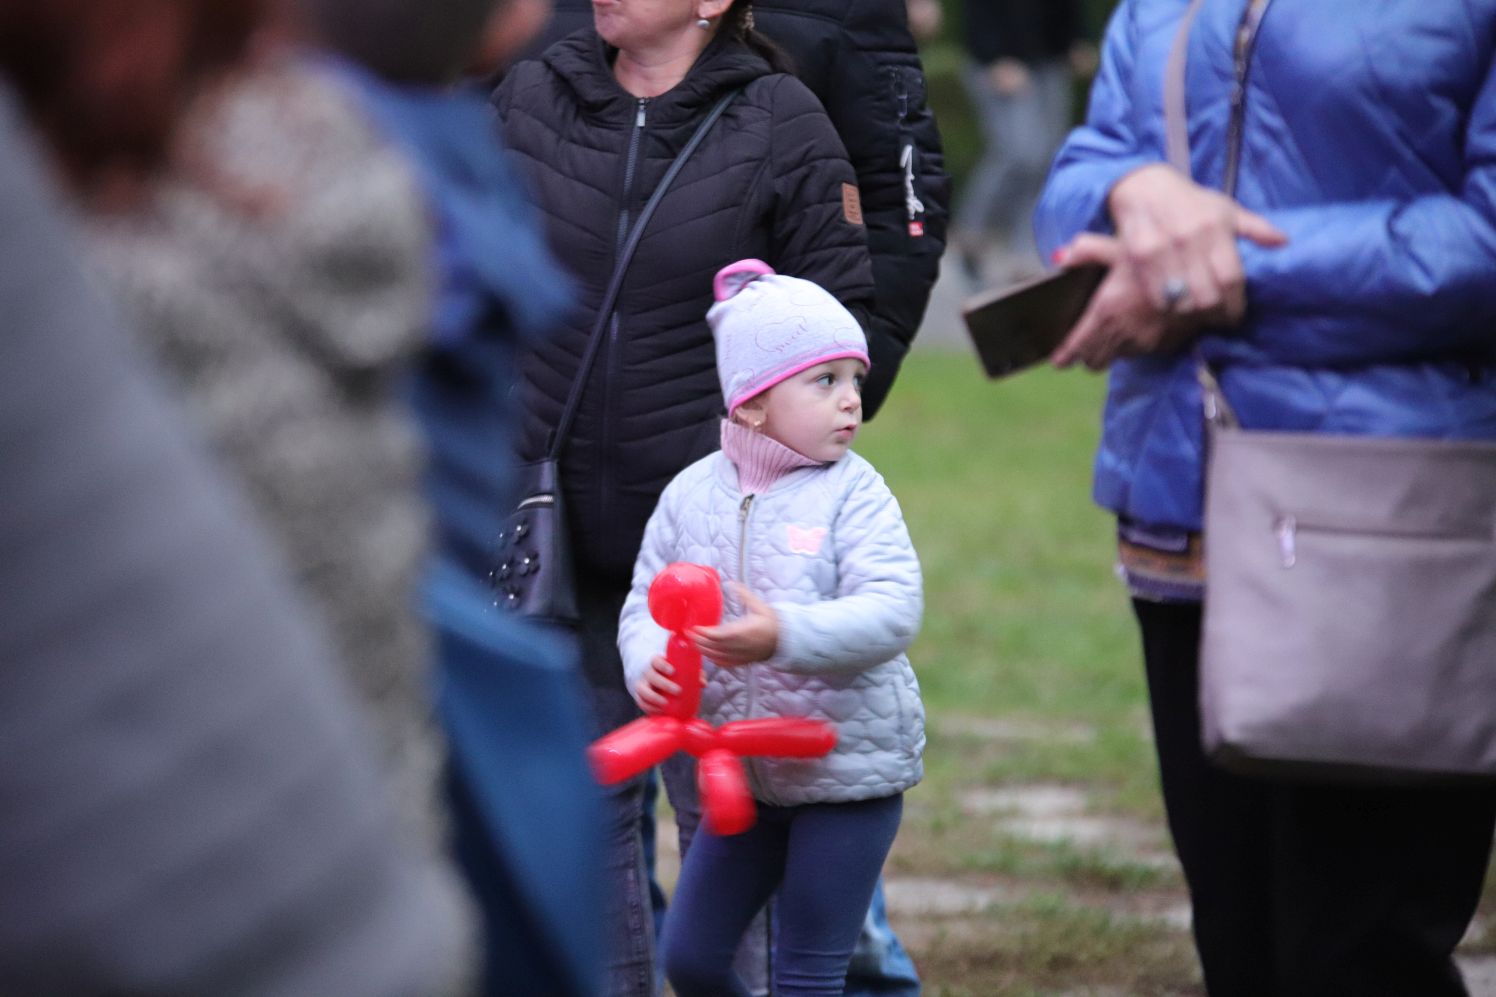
[827,548]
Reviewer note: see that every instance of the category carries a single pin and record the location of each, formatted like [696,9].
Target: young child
[826,585]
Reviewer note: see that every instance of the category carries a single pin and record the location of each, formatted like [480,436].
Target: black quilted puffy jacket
[768,182]
[859,59]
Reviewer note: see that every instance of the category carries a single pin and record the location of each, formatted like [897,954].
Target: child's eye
[857,380]
[826,379]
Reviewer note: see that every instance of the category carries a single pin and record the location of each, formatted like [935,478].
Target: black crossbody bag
[534,574]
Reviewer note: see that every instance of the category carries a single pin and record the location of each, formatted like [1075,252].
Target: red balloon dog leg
[681,598]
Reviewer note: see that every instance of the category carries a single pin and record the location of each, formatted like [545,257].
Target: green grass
[1023,616]
[994,479]
[1024,623]
[1031,673]
[1048,945]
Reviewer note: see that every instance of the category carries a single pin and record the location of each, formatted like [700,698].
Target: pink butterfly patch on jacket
[806,539]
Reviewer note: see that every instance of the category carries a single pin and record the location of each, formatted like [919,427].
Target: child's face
[816,412]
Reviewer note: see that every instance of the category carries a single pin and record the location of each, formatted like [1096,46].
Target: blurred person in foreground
[191,802]
[1350,287]
[278,272]
[1022,60]
[342,221]
[523,799]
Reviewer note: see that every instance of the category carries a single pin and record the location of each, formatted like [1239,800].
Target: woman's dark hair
[107,83]
[739,21]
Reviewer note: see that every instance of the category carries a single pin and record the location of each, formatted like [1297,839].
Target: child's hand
[752,637]
[656,685]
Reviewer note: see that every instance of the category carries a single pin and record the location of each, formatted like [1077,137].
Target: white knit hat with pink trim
[769,327]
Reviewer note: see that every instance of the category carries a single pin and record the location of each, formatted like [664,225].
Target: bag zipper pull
[1287,529]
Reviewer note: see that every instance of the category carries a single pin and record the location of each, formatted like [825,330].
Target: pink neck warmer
[760,460]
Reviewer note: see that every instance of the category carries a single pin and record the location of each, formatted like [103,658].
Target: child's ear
[752,412]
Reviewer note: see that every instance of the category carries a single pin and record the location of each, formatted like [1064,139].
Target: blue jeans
[821,861]
[523,802]
[630,943]
[648,833]
[880,966]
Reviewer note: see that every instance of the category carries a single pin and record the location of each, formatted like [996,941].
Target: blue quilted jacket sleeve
[1384,280]
[1363,279]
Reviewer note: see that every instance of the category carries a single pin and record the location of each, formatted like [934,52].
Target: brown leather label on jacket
[852,203]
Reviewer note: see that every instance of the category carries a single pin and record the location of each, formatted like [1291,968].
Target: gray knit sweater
[187,805]
[281,277]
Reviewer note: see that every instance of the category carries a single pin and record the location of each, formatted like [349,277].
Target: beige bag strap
[1176,121]
[1177,146]
[1218,411]
[1176,116]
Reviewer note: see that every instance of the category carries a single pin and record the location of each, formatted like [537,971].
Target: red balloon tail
[634,747]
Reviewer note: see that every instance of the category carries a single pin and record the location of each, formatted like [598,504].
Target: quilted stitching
[847,612]
[765,183]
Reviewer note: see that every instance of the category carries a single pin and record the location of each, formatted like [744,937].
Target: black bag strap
[610,297]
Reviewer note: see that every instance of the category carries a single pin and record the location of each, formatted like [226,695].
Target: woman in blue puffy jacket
[1348,287]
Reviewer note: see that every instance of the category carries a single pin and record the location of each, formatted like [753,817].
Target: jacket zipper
[1246,39]
[1288,527]
[630,162]
[610,367]
[743,538]
[749,765]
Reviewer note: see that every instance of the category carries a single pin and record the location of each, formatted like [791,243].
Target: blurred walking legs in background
[880,965]
[630,927]
[1022,57]
[1024,115]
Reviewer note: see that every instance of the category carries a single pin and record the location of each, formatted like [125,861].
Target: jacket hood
[585,62]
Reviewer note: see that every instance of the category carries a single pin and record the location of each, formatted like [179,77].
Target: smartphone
[1015,327]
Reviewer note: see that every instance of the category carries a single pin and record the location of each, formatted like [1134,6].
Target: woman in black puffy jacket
[859,58]
[596,122]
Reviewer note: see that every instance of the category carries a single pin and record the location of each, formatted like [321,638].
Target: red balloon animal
[682,597]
